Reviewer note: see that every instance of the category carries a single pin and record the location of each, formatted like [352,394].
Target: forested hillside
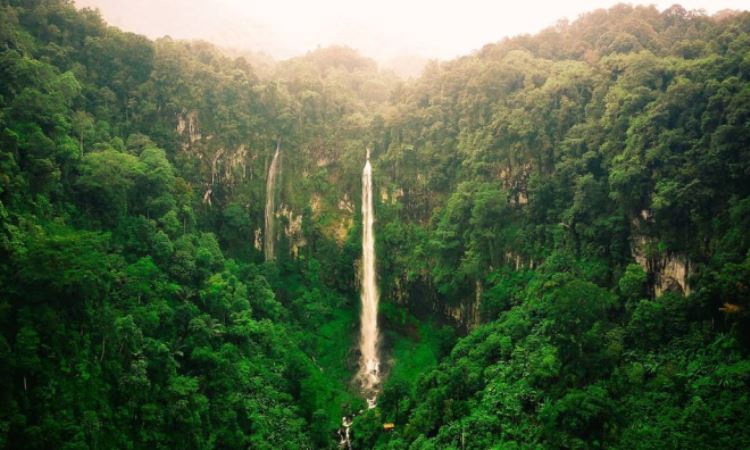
[562,231]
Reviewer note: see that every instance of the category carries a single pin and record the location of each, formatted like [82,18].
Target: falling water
[271,204]
[345,436]
[369,363]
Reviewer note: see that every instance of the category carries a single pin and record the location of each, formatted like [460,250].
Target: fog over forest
[396,33]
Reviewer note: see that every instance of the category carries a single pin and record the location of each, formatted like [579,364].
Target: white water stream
[369,360]
[269,236]
[369,363]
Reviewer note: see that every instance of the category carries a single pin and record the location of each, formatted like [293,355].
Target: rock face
[340,216]
[189,122]
[258,239]
[420,296]
[220,163]
[515,181]
[292,229]
[391,196]
[667,271]
[671,273]
[468,314]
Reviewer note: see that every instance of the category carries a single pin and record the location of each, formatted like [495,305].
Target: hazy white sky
[379,28]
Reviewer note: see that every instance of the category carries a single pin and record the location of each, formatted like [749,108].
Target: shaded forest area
[563,236]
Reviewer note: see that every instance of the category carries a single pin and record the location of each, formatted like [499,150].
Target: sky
[382,29]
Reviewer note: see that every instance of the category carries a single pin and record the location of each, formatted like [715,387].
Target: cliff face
[218,161]
[425,303]
[667,271]
[222,169]
[467,314]
[671,274]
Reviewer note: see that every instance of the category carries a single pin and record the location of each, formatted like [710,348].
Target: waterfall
[345,436]
[369,363]
[269,235]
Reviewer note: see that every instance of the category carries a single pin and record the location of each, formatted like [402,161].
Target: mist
[391,31]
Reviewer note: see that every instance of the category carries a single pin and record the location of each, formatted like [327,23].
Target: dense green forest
[563,239]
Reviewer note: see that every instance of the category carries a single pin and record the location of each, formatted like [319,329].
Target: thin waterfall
[369,363]
[273,169]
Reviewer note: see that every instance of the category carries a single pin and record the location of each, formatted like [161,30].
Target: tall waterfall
[269,235]
[369,363]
